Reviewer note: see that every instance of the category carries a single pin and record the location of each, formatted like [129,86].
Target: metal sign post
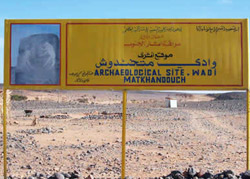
[5,132]
[248,130]
[124,106]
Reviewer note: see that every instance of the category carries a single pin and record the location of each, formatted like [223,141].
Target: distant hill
[229,96]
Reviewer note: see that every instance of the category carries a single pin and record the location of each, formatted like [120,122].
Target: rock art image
[38,60]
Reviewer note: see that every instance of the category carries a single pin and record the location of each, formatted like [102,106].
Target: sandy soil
[82,131]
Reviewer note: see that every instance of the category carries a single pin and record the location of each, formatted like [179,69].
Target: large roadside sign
[127,54]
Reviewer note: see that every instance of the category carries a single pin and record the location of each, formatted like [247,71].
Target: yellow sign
[160,54]
[127,54]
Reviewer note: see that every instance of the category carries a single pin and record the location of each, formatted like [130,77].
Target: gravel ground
[76,140]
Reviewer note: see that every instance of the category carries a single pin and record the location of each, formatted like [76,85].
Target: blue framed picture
[35,54]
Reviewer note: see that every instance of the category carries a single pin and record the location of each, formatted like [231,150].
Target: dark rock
[191,171]
[176,174]
[52,177]
[245,175]
[66,175]
[104,113]
[28,167]
[90,177]
[74,175]
[228,172]
[59,176]
[42,175]
[37,174]
[168,177]
[179,176]
[231,176]
[207,175]
[221,176]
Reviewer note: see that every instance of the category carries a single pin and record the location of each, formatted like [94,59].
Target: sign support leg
[248,130]
[124,102]
[5,133]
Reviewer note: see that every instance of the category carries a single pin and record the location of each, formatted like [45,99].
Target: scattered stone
[245,175]
[228,172]
[171,137]
[104,113]
[176,174]
[59,176]
[44,130]
[141,142]
[28,112]
[28,167]
[58,116]
[191,172]
[207,175]
[66,175]
[90,177]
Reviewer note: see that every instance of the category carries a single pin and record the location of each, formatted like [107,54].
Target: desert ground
[80,132]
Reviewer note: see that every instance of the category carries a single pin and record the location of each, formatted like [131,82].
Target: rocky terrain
[78,134]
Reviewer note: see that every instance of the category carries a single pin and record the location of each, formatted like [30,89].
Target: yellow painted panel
[157,54]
